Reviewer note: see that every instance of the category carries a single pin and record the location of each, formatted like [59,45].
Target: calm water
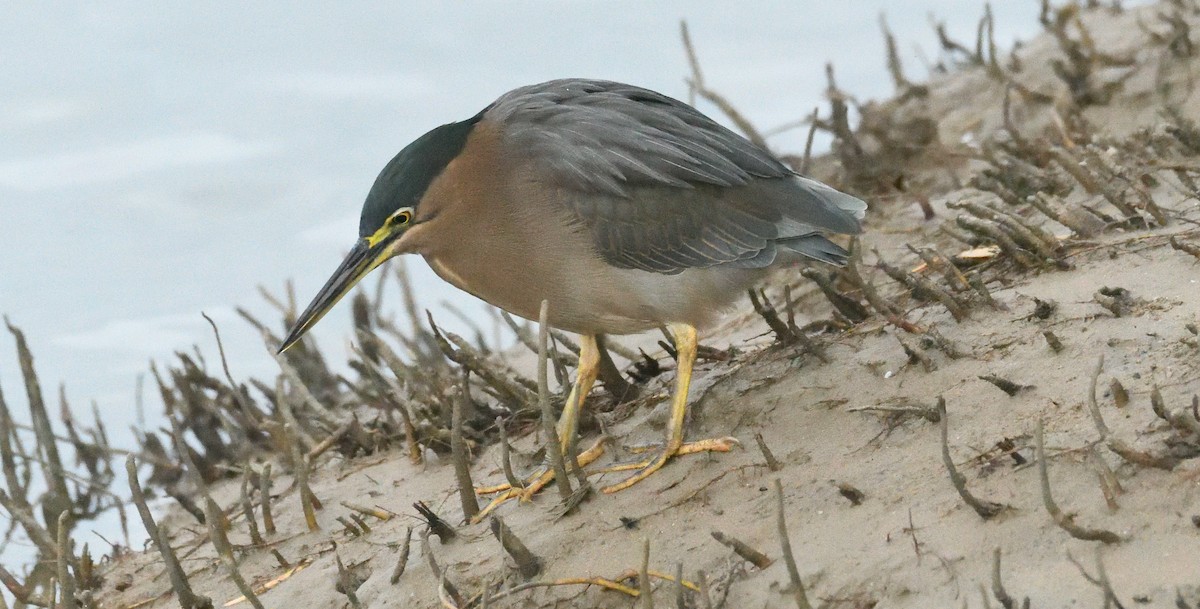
[158,161]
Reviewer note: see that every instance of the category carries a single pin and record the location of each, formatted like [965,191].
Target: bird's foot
[533,483]
[626,583]
[646,468]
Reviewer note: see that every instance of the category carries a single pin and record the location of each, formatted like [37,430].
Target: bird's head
[392,208]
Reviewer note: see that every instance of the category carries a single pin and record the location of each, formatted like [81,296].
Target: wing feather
[662,187]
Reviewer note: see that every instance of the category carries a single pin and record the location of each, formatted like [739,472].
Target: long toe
[647,468]
[533,483]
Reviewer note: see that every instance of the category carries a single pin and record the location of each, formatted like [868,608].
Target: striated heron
[626,209]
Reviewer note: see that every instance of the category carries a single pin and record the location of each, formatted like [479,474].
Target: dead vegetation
[1045,194]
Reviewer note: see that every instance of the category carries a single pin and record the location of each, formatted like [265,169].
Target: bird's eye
[401,217]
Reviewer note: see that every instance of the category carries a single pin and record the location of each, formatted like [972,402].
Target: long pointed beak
[360,261]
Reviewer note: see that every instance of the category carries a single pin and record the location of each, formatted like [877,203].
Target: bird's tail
[830,197]
[816,247]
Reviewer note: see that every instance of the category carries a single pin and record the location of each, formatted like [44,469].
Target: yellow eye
[400,218]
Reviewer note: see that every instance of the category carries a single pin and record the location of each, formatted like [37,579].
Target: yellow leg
[568,422]
[685,344]
[585,377]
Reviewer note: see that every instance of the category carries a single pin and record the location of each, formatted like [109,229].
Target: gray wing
[660,186]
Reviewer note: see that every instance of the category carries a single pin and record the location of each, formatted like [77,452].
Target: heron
[626,209]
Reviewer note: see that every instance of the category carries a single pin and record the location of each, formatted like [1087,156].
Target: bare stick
[886,310]
[350,527]
[849,308]
[893,57]
[528,565]
[369,511]
[214,517]
[55,478]
[284,408]
[764,308]
[976,282]
[485,597]
[179,581]
[216,532]
[506,457]
[514,389]
[8,458]
[1182,246]
[1109,487]
[1125,451]
[985,509]
[248,507]
[644,592]
[997,584]
[39,535]
[786,545]
[1093,407]
[65,580]
[410,436]
[361,523]
[553,444]
[331,439]
[773,464]
[529,340]
[915,356]
[1003,384]
[307,498]
[808,142]
[1102,574]
[233,387]
[438,574]
[1066,522]
[458,447]
[443,593]
[264,491]
[742,549]
[346,581]
[402,561]
[322,413]
[991,230]
[680,598]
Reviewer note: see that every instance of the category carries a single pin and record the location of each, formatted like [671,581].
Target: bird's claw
[534,483]
[646,468]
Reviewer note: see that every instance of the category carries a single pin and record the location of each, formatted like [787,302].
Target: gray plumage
[663,188]
[613,208]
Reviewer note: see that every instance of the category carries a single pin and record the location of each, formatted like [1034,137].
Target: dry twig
[179,580]
[402,561]
[458,448]
[553,443]
[742,549]
[786,545]
[528,565]
[1064,521]
[985,509]
[773,464]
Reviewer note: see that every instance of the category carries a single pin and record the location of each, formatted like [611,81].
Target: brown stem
[458,448]
[742,549]
[1064,521]
[985,509]
[528,565]
[786,545]
[553,445]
